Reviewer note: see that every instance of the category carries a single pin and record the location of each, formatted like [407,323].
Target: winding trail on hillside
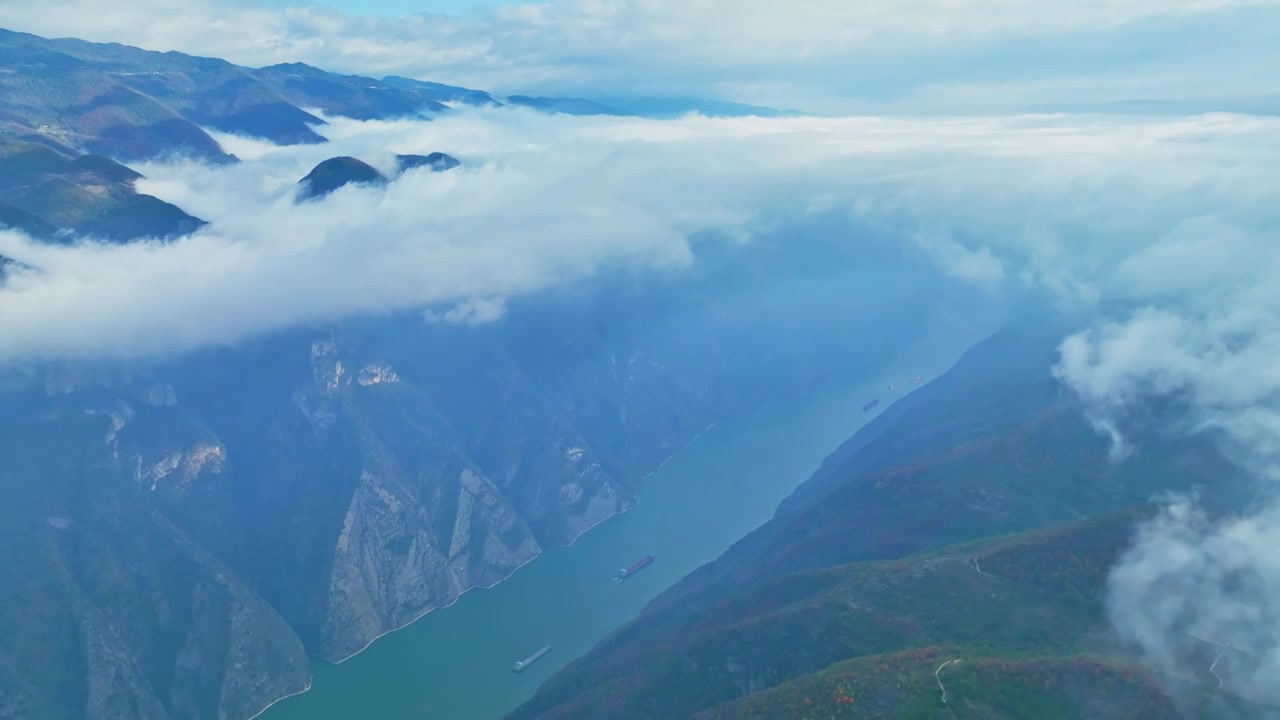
[1212,668]
[1227,648]
[937,676]
[978,567]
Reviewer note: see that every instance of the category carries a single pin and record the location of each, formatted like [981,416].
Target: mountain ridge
[946,485]
[52,196]
[132,104]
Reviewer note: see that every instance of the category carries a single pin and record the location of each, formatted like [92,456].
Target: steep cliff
[110,610]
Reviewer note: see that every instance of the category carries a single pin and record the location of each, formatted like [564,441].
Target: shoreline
[430,610]
[636,501]
[508,576]
[273,703]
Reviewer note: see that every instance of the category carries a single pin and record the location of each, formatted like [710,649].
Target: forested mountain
[962,539]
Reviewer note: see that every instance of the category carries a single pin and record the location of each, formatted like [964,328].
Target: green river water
[455,663]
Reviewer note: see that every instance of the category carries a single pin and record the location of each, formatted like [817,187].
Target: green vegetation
[133,104]
[12,218]
[1023,630]
[436,161]
[107,608]
[43,190]
[357,97]
[950,528]
[1036,594]
[905,686]
[341,171]
[335,173]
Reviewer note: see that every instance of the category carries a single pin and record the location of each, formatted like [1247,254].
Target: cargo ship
[522,664]
[894,387]
[639,565]
[870,405]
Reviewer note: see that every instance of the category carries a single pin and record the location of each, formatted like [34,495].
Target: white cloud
[1208,333]
[787,53]
[1152,353]
[1203,328]
[1049,201]
[977,267]
[1191,577]
[1191,582]
[475,311]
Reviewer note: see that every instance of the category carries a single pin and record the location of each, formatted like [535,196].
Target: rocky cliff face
[392,563]
[424,522]
[110,609]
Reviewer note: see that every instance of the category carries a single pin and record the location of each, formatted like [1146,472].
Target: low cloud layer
[1196,593]
[1085,207]
[1200,324]
[1195,581]
[815,54]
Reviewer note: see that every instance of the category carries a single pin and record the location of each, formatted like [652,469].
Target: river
[455,663]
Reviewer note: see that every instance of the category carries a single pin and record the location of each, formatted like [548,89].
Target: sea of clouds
[1085,207]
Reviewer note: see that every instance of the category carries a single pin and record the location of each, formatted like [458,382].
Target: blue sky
[826,56]
[396,8]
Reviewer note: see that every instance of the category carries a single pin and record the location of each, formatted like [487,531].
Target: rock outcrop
[436,161]
[392,564]
[126,615]
[339,172]
[335,173]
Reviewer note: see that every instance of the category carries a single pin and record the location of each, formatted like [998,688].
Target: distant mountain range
[72,111]
[670,107]
[131,104]
[1247,105]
